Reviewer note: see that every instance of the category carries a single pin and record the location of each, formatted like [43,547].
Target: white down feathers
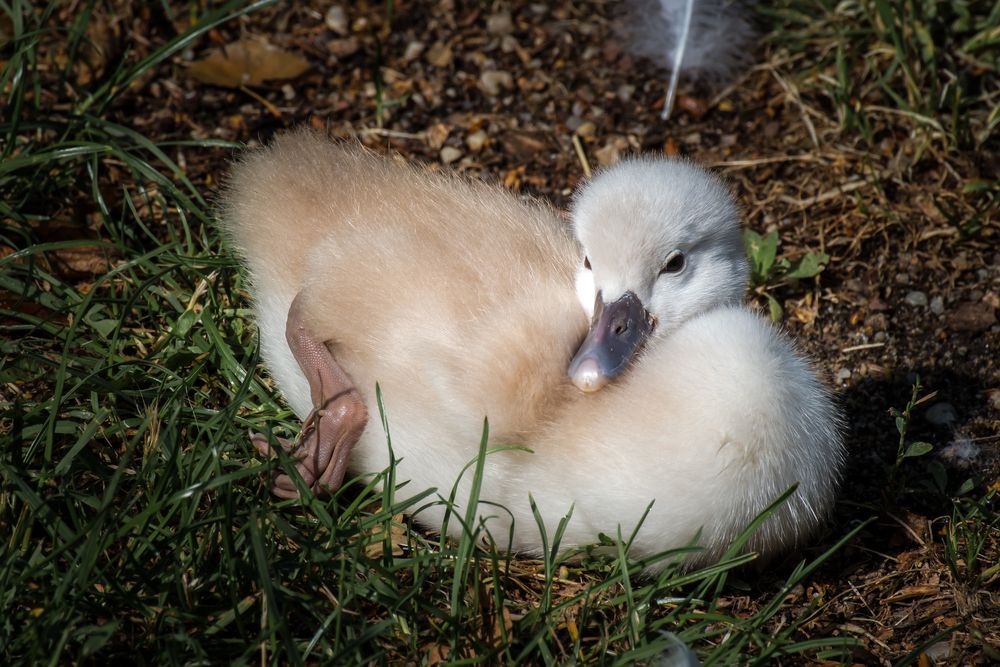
[458,298]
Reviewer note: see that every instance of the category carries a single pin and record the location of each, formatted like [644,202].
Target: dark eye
[586,263]
[675,264]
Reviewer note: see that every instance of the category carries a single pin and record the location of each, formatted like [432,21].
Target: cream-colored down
[461,300]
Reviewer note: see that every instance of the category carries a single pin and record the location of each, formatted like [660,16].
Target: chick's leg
[335,424]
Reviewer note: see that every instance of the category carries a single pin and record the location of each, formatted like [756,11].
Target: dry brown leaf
[397,538]
[248,62]
[85,260]
[437,654]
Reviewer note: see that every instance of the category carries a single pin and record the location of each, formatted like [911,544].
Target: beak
[616,334]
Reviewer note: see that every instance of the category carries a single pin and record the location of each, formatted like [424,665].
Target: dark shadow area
[896,578]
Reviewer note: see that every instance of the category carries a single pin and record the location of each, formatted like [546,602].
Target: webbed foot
[336,423]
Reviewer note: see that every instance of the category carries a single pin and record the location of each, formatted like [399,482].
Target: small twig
[985,438]
[578,145]
[267,105]
[740,164]
[907,528]
[824,196]
[793,93]
[394,134]
[932,233]
[865,346]
[920,118]
[881,555]
[861,598]
[200,289]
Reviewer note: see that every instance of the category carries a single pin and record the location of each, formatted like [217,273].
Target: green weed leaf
[810,265]
[774,307]
[104,327]
[761,250]
[918,449]
[977,185]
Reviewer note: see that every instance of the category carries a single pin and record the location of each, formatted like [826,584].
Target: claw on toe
[263,444]
[260,443]
[331,430]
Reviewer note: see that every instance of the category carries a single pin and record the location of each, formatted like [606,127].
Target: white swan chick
[463,301]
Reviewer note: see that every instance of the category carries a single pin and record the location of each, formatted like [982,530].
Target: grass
[920,62]
[908,84]
[135,519]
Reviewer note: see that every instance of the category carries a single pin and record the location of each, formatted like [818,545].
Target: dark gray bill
[617,332]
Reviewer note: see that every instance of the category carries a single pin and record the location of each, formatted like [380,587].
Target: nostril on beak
[621,328]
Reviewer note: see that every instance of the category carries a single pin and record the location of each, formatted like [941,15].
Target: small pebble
[877,321]
[608,154]
[437,134]
[854,285]
[499,24]
[586,129]
[439,54]
[336,20]
[343,47]
[413,50]
[941,414]
[492,81]
[916,298]
[939,652]
[843,375]
[476,141]
[937,305]
[449,154]
[972,317]
[625,92]
[508,44]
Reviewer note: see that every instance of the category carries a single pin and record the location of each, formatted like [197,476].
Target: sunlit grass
[925,65]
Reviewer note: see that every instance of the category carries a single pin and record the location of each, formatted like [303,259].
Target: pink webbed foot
[335,424]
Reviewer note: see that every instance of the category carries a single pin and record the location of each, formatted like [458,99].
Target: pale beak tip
[587,376]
